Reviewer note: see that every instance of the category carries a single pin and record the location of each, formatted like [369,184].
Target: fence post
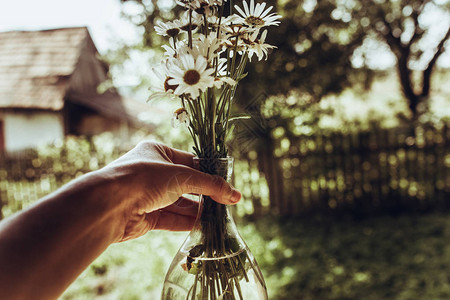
[1,206]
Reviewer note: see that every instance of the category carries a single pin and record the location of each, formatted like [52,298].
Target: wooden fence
[29,175]
[382,170]
[377,171]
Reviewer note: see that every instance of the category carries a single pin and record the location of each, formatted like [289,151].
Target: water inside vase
[214,262]
[189,283]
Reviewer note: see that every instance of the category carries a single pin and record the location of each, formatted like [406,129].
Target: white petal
[239,10]
[252,7]
[247,12]
[175,81]
[190,62]
[201,63]
[194,93]
[263,36]
[228,80]
[266,12]
[259,9]
[208,72]
[176,72]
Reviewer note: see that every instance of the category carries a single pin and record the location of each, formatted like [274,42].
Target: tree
[400,24]
[316,43]
[314,51]
[313,54]
[317,39]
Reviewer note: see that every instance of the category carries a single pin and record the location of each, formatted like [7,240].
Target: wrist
[101,200]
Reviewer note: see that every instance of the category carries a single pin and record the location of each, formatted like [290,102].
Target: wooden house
[48,89]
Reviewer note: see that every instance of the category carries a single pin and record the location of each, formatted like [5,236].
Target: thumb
[211,185]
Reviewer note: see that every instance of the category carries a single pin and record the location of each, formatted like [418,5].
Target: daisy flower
[219,81]
[205,7]
[180,117]
[207,46]
[192,76]
[174,49]
[194,4]
[237,30]
[171,29]
[257,46]
[231,45]
[196,21]
[161,89]
[256,16]
[215,21]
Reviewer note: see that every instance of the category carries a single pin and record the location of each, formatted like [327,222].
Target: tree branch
[418,32]
[427,72]
[394,43]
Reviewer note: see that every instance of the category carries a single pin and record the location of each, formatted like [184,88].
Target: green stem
[212,120]
[190,29]
[233,61]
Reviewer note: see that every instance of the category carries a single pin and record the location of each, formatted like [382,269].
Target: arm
[44,248]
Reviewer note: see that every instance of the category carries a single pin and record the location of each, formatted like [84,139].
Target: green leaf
[242,76]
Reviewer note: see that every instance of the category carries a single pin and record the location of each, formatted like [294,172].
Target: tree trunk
[406,83]
[270,167]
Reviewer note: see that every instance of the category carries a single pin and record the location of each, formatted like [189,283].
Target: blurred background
[344,165]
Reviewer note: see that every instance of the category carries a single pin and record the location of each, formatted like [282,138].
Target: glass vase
[214,262]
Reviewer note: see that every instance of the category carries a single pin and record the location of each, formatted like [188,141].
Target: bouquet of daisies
[204,61]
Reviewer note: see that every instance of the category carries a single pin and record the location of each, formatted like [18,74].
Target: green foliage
[314,50]
[404,257]
[131,270]
[318,43]
[35,173]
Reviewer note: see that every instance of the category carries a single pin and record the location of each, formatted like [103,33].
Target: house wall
[81,120]
[96,124]
[25,130]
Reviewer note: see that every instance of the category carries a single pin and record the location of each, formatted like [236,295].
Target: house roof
[35,66]
[115,106]
[37,72]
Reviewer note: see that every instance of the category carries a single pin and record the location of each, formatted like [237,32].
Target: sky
[107,28]
[102,17]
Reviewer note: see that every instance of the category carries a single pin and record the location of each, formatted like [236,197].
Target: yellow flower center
[186,27]
[238,29]
[173,32]
[191,77]
[254,21]
[180,111]
[202,8]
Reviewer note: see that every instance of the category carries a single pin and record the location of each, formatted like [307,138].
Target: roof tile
[31,62]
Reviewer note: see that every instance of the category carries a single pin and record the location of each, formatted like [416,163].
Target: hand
[46,246]
[153,177]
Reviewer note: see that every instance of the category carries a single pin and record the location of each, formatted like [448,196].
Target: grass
[405,257]
[130,270]
[389,257]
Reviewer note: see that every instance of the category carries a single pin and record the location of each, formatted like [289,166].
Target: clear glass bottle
[214,262]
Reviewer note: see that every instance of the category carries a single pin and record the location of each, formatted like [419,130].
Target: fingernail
[235,196]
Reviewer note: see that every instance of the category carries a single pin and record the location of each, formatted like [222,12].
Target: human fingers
[191,181]
[183,206]
[165,220]
[180,157]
